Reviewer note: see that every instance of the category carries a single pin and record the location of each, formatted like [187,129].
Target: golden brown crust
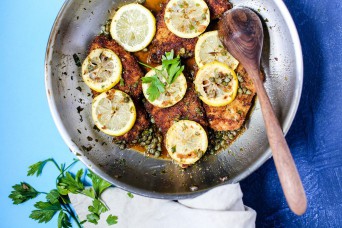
[131,72]
[165,41]
[189,108]
[131,75]
[232,116]
[218,7]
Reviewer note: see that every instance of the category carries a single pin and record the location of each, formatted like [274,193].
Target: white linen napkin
[219,207]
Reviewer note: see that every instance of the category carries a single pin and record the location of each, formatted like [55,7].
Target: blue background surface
[28,133]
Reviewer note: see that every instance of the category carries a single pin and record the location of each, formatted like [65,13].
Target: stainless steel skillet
[77,24]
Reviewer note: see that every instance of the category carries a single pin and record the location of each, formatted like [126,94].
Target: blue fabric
[315,136]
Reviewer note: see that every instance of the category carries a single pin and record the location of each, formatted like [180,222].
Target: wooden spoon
[241,32]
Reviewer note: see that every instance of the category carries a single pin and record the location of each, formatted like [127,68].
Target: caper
[218,80]
[160,138]
[126,99]
[212,79]
[217,147]
[134,141]
[234,133]
[150,137]
[244,90]
[144,138]
[150,130]
[143,143]
[240,90]
[248,92]
[148,142]
[240,78]
[157,154]
[231,136]
[153,146]
[122,147]
[223,143]
[225,83]
[227,79]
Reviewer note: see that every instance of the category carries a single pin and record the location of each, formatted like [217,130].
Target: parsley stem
[145,65]
[54,162]
[76,160]
[62,172]
[42,193]
[96,197]
[72,214]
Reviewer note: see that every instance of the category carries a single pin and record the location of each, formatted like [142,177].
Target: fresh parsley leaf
[147,79]
[156,87]
[69,184]
[89,192]
[153,92]
[99,184]
[53,196]
[130,194]
[168,55]
[63,220]
[173,68]
[45,212]
[93,218]
[37,168]
[112,219]
[23,192]
[96,209]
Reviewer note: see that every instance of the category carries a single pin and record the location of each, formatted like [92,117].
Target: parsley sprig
[173,67]
[58,201]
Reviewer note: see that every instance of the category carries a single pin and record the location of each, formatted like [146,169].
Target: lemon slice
[186,142]
[114,112]
[209,48]
[216,84]
[187,18]
[173,93]
[133,27]
[101,70]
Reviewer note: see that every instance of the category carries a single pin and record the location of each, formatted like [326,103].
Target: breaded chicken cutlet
[165,40]
[189,108]
[233,115]
[131,74]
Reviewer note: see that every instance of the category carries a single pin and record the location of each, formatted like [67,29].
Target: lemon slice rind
[186,142]
[187,18]
[133,27]
[114,112]
[213,92]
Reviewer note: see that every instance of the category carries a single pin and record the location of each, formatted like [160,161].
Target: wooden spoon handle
[286,168]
